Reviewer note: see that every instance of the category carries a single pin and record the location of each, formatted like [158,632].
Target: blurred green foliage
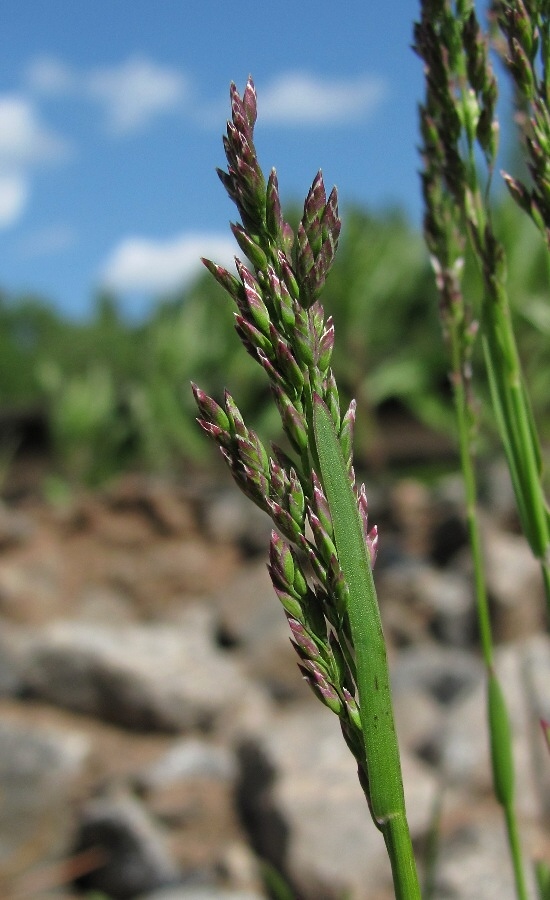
[118,396]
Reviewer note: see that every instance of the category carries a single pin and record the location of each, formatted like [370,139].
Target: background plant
[399,359]
[460,132]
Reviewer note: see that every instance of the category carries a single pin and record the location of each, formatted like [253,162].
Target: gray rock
[40,770]
[136,858]
[251,616]
[405,616]
[444,673]
[31,588]
[412,510]
[417,598]
[15,527]
[12,643]
[139,676]
[499,492]
[420,722]
[229,517]
[465,754]
[240,868]
[514,583]
[158,501]
[474,864]
[448,597]
[189,758]
[99,604]
[421,786]
[306,813]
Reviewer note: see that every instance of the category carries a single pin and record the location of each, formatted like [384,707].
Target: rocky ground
[157,742]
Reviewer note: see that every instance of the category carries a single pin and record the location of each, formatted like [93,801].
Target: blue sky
[111,116]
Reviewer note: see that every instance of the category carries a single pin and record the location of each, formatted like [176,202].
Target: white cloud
[25,143]
[130,94]
[135,92]
[14,191]
[303,99]
[24,139]
[142,264]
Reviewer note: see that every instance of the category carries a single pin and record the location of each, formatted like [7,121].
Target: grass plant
[322,548]
[460,141]
[308,489]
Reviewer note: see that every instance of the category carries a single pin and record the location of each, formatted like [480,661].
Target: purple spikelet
[370,535]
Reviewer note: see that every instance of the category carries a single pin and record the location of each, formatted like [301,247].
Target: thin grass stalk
[516,426]
[519,25]
[497,713]
[450,204]
[385,795]
[454,316]
[464,413]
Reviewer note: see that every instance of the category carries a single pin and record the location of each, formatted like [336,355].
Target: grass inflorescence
[320,517]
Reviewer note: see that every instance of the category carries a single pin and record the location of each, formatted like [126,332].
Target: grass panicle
[460,130]
[322,547]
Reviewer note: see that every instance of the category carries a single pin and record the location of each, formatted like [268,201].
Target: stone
[405,616]
[200,817]
[444,673]
[412,510]
[421,786]
[251,617]
[473,863]
[186,759]
[465,754]
[447,595]
[230,517]
[498,490]
[306,813]
[420,723]
[131,845]
[238,866]
[145,677]
[104,605]
[15,527]
[514,584]
[41,771]
[12,643]
[535,653]
[450,534]
[190,788]
[211,657]
[416,598]
[30,585]
[157,501]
